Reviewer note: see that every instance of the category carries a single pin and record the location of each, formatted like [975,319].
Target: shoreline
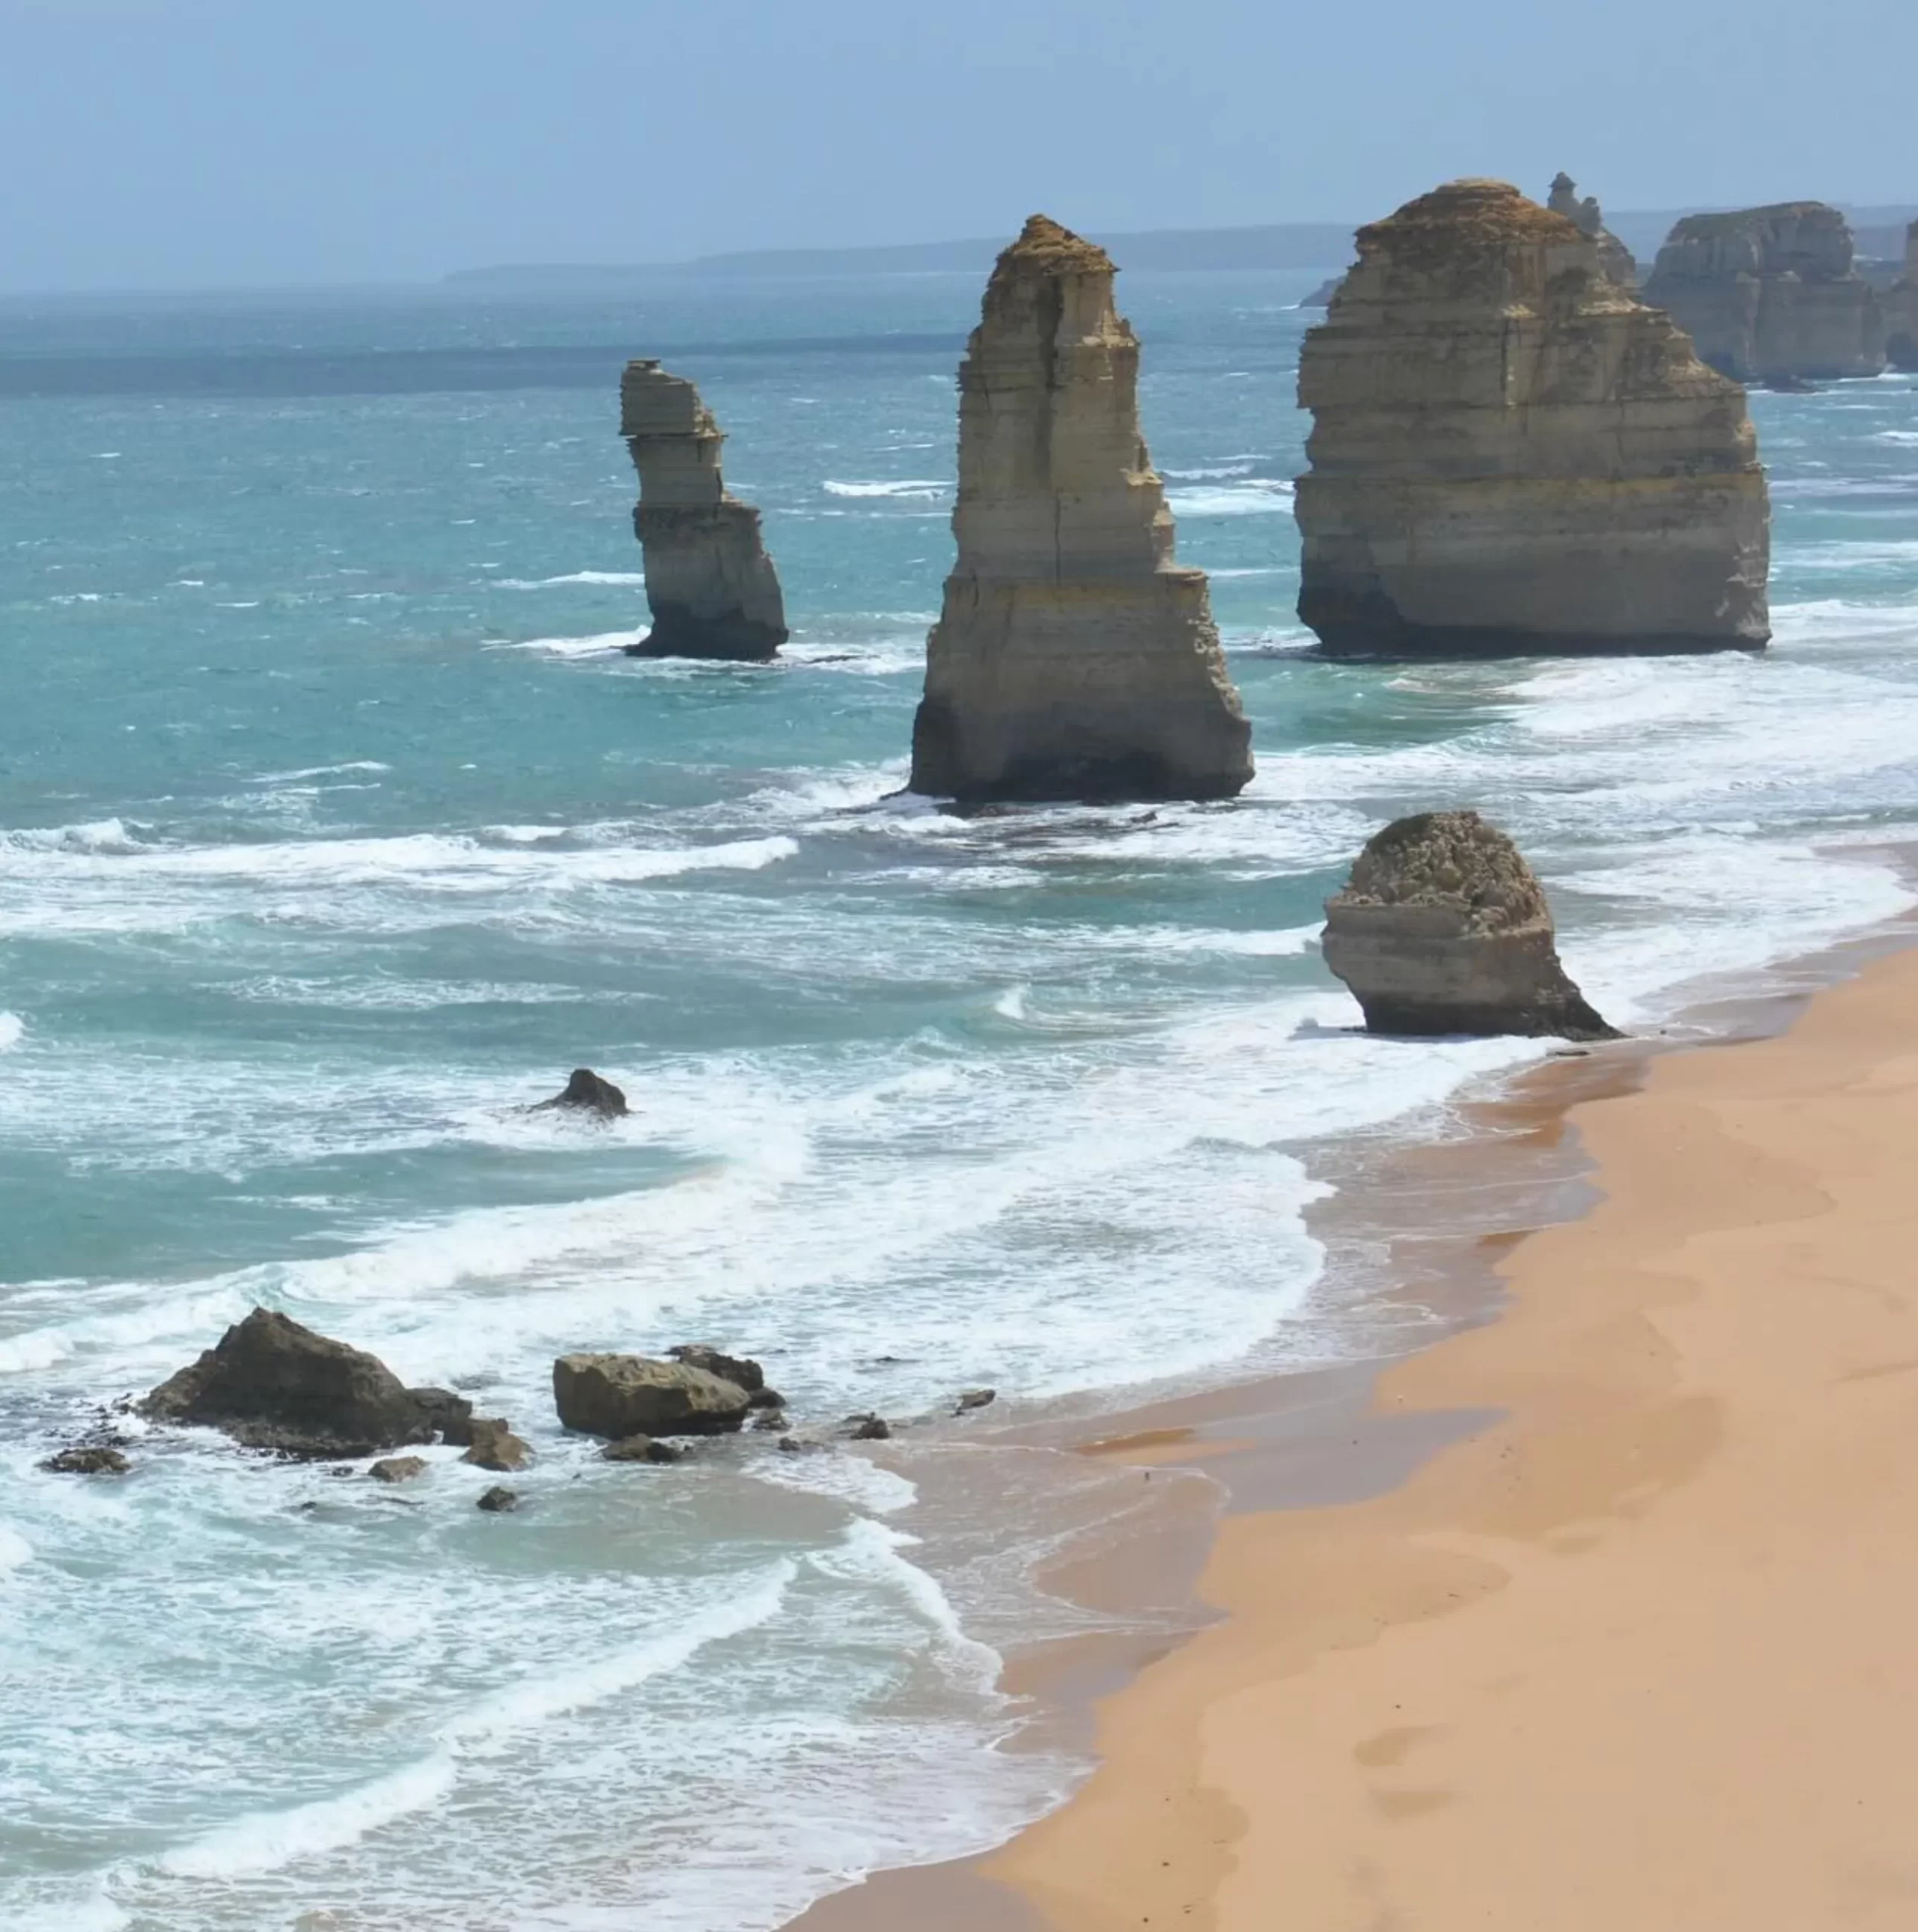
[1329,1439]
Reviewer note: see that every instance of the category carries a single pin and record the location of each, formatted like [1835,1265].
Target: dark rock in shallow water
[493,1446]
[616,1396]
[497,1501]
[586,1092]
[271,1384]
[398,1469]
[93,1459]
[1444,928]
[766,1421]
[975,1398]
[640,1449]
[450,1414]
[868,1429]
[740,1369]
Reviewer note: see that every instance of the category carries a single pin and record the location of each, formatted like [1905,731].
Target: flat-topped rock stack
[1901,309]
[1073,658]
[1770,294]
[1443,928]
[1510,454]
[711,588]
[1589,219]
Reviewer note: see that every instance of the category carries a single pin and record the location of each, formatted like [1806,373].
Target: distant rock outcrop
[1443,928]
[269,1383]
[1589,219]
[1901,309]
[1510,454]
[585,1092]
[1321,297]
[711,586]
[1770,294]
[1074,658]
[619,1396]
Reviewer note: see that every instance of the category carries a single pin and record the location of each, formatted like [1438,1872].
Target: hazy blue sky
[189,143]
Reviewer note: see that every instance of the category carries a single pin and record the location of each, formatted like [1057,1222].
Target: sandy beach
[1636,1652]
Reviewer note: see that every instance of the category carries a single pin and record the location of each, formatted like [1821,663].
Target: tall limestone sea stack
[711,586]
[1074,658]
[1770,294]
[1901,309]
[1511,454]
[1589,219]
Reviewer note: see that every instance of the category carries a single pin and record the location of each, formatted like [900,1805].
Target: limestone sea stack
[1770,294]
[1443,928]
[1510,454]
[1073,658]
[1586,216]
[711,588]
[1901,309]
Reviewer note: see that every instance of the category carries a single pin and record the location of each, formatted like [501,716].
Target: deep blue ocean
[334,827]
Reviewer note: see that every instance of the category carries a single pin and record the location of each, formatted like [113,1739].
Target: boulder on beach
[398,1469]
[741,1370]
[449,1414]
[712,589]
[1512,454]
[640,1449]
[1444,929]
[1074,658]
[867,1428]
[618,1395]
[585,1092]
[270,1383]
[497,1501]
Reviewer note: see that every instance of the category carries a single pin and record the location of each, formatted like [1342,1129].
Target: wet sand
[1633,1648]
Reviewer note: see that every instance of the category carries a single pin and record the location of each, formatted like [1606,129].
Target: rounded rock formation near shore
[1443,928]
[1073,658]
[1511,454]
[712,589]
[1770,294]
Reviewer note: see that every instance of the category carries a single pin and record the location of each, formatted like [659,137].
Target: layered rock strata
[711,587]
[1589,219]
[1901,309]
[1510,454]
[1770,294]
[1073,658]
[1443,928]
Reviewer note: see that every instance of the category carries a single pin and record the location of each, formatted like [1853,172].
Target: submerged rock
[497,1501]
[586,1092]
[1510,454]
[1901,308]
[96,1458]
[271,1384]
[711,586]
[617,1396]
[1073,658]
[493,1446]
[975,1399]
[1771,292]
[742,1370]
[640,1449]
[1444,928]
[867,1428]
[1614,258]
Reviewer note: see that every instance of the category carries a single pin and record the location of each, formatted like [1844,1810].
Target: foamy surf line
[267,1841]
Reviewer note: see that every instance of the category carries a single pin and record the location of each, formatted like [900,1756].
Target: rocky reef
[1510,454]
[1443,928]
[1901,309]
[711,586]
[1073,658]
[1770,294]
[1589,219]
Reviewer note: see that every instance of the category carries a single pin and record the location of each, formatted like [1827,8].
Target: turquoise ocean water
[333,825]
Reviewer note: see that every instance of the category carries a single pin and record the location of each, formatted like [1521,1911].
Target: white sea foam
[322,771]
[599,644]
[13,1030]
[14,1549]
[1255,496]
[921,489]
[616,579]
[872,1550]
